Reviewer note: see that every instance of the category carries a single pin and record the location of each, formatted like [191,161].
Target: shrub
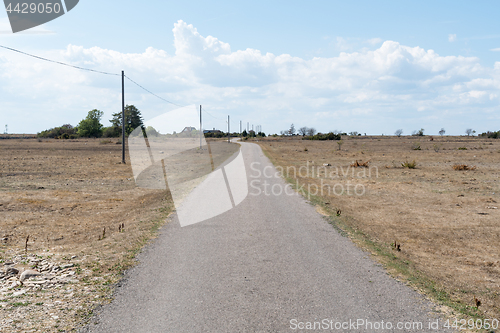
[463,167]
[323,137]
[491,135]
[57,132]
[409,165]
[416,146]
[462,148]
[111,132]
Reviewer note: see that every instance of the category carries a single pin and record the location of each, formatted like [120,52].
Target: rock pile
[35,292]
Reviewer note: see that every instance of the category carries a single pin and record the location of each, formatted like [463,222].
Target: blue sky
[366,66]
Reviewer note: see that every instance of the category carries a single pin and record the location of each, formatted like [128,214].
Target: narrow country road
[271,264]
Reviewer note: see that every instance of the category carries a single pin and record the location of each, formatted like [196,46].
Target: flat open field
[63,194]
[71,198]
[447,221]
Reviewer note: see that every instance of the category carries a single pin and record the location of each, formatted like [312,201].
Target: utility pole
[228,136]
[201,131]
[240,128]
[123,117]
[248,128]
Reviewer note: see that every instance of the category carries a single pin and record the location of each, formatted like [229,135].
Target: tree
[151,131]
[336,132]
[133,119]
[398,132]
[442,132]
[353,133]
[311,131]
[244,133]
[303,131]
[91,126]
[418,133]
[470,132]
[291,131]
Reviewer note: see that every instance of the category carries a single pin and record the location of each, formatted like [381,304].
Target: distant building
[188,129]
[211,131]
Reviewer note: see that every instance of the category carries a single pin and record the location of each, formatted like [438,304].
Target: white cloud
[452,38]
[362,89]
[496,49]
[5,29]
[374,41]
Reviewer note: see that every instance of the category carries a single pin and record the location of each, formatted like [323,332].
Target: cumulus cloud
[364,89]
[496,49]
[452,38]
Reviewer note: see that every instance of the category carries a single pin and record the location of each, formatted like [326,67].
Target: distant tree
[311,131]
[336,132]
[291,131]
[151,131]
[244,133]
[63,132]
[133,119]
[303,131]
[418,133]
[442,132]
[398,132]
[470,132]
[91,126]
[353,133]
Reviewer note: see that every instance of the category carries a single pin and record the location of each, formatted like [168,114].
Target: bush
[323,137]
[463,167]
[63,132]
[409,165]
[491,135]
[111,132]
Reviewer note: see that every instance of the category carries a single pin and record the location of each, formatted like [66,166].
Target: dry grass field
[80,207]
[64,195]
[445,216]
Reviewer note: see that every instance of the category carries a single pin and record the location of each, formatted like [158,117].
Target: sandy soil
[447,221]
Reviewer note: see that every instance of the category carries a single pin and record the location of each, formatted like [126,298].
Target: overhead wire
[58,62]
[163,99]
[89,70]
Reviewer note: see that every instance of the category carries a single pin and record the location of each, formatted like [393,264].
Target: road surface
[271,264]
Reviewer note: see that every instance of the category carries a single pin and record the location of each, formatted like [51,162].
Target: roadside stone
[28,274]
[12,271]
[67,266]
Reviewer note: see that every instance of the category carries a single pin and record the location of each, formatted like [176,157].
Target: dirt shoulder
[85,219]
[446,221]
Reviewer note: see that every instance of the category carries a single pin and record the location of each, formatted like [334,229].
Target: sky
[366,66]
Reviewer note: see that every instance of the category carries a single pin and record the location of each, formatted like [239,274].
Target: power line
[205,110]
[58,62]
[163,99]
[86,69]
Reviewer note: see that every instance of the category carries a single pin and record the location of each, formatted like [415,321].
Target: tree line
[91,127]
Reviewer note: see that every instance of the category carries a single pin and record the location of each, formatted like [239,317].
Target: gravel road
[271,264]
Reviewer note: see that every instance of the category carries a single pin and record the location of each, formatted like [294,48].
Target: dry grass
[445,222]
[463,167]
[409,165]
[360,164]
[75,198]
